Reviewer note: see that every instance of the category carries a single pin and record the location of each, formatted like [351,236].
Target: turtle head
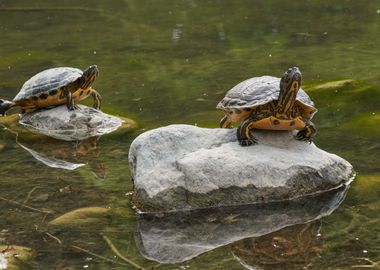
[291,80]
[5,105]
[88,77]
[289,85]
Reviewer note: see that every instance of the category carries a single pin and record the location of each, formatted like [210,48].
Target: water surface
[164,62]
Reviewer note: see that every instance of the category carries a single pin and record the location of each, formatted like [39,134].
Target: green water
[164,62]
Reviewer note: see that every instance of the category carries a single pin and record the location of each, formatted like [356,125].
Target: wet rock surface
[76,125]
[185,167]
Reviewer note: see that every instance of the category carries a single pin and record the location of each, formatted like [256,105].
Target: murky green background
[164,62]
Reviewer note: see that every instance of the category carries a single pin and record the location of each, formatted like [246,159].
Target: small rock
[40,198]
[9,120]
[126,126]
[82,217]
[332,85]
[66,189]
[62,124]
[11,255]
[186,167]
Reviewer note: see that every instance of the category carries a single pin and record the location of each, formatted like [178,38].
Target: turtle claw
[74,108]
[247,142]
[302,136]
[254,140]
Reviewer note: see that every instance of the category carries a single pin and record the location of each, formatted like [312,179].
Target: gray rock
[66,125]
[186,167]
[175,237]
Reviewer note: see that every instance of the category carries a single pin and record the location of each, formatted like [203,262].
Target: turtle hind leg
[308,132]
[225,122]
[244,135]
[5,105]
[97,99]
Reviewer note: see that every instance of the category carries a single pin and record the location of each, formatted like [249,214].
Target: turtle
[53,87]
[269,103]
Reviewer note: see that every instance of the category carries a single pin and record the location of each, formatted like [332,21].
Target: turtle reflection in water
[269,103]
[66,155]
[292,247]
[53,87]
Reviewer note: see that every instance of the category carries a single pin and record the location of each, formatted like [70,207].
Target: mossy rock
[126,126]
[10,120]
[12,257]
[333,85]
[94,215]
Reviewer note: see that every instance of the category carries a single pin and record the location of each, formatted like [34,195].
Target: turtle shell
[261,90]
[48,80]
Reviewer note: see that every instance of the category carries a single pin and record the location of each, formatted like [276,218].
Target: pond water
[164,62]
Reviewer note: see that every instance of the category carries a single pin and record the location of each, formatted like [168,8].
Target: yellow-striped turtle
[53,87]
[269,103]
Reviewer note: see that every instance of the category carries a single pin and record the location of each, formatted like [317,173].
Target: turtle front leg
[97,99]
[244,135]
[69,99]
[225,122]
[308,132]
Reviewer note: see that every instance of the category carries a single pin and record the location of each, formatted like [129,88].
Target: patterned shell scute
[258,91]
[48,80]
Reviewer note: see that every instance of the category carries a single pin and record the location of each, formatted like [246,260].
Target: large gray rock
[186,167]
[62,124]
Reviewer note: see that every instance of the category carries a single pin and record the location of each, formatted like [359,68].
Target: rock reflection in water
[175,237]
[66,155]
[292,247]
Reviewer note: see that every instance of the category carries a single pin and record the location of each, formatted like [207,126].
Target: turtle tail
[5,105]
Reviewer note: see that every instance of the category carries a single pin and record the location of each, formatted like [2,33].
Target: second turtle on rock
[53,87]
[269,103]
